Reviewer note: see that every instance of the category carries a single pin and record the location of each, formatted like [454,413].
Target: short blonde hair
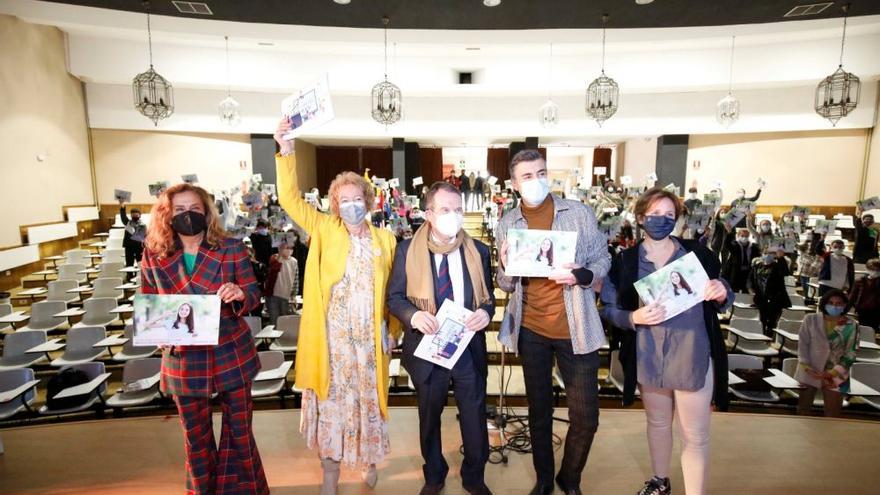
[350,179]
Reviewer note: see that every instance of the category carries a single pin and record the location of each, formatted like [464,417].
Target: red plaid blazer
[198,371]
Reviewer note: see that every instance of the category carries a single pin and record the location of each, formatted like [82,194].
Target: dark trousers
[740,280]
[234,467]
[769,314]
[133,253]
[469,387]
[580,374]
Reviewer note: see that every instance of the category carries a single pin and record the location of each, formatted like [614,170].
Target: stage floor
[751,454]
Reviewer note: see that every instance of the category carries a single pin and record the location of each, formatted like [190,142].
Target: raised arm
[289,194]
[122,216]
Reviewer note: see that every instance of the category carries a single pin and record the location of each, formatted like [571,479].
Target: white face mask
[448,224]
[534,191]
[837,251]
[352,212]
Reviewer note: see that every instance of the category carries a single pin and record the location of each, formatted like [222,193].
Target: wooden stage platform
[751,454]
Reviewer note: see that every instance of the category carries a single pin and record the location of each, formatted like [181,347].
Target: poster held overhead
[309,109]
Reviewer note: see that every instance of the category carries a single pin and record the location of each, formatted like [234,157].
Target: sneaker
[656,486]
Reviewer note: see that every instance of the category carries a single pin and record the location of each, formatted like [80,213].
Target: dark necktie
[444,282]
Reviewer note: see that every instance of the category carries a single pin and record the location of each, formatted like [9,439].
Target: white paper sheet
[445,347]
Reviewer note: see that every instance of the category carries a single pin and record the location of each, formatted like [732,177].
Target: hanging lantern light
[838,94]
[229,108]
[727,109]
[548,114]
[602,93]
[152,93]
[386,97]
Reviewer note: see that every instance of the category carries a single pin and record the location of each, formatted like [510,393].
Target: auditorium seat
[746,362]
[107,287]
[58,291]
[94,389]
[289,326]
[130,351]
[77,257]
[868,374]
[748,337]
[5,309]
[746,313]
[43,316]
[80,344]
[18,390]
[97,312]
[254,323]
[72,272]
[140,384]
[272,378]
[15,348]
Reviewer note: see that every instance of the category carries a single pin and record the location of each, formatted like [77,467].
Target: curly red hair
[161,238]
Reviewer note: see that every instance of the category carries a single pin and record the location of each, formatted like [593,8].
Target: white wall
[815,168]
[872,183]
[43,115]
[131,160]
[472,157]
[639,158]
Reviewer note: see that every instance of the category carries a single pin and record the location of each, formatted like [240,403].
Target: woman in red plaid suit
[187,252]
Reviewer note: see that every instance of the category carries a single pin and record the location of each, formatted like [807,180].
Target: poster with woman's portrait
[539,253]
[180,319]
[678,286]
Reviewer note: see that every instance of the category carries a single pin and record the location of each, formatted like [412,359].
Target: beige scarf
[419,272]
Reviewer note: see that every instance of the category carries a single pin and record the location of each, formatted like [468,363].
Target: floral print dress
[349,426]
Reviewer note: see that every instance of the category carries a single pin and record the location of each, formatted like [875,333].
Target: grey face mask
[352,212]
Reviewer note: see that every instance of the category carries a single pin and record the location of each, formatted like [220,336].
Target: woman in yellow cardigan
[344,345]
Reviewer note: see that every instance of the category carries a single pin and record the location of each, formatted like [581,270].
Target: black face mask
[135,218]
[189,223]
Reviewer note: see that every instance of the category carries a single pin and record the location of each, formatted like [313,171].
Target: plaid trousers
[235,467]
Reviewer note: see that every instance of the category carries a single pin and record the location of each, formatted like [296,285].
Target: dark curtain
[431,165]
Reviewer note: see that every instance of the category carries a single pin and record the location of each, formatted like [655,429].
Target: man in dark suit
[442,262]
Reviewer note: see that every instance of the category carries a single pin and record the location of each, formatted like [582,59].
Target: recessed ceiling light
[265,43]
[491,3]
[644,2]
[472,48]
[342,2]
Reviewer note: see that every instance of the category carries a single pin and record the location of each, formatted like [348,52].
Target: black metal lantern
[603,93]
[386,97]
[153,95]
[838,94]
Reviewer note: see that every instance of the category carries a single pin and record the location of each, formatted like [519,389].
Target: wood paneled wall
[331,160]
[497,163]
[431,165]
[12,278]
